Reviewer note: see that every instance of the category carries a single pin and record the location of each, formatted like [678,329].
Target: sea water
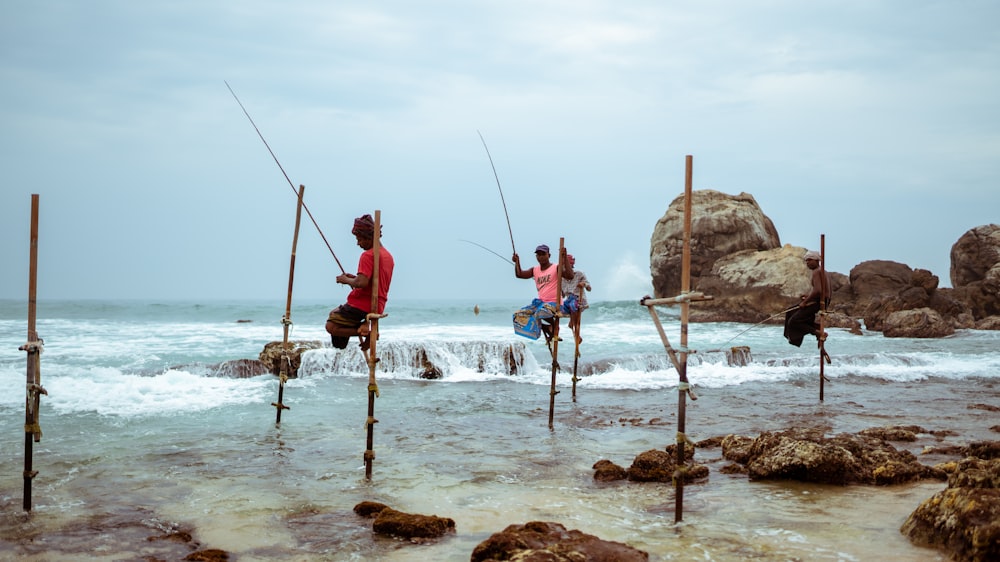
[144,436]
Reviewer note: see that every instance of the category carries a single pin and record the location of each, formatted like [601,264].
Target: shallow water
[141,442]
[479,453]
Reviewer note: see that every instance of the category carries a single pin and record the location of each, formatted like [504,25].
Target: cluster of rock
[535,540]
[737,258]
[963,520]
[654,465]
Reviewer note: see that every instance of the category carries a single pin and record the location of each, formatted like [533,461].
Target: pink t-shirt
[361,298]
[546,282]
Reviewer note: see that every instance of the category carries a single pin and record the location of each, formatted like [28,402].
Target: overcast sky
[872,122]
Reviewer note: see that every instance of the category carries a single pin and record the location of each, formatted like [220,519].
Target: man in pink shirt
[349,319]
[546,279]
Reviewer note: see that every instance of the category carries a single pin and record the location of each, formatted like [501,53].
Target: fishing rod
[488,250]
[501,191]
[290,184]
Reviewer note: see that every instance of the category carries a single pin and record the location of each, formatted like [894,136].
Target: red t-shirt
[361,298]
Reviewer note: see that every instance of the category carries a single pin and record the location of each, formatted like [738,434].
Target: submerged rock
[807,455]
[411,526]
[654,465]
[551,542]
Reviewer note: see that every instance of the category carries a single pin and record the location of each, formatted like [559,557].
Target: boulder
[272,353]
[964,519]
[607,471]
[988,323]
[721,224]
[974,254]
[975,271]
[916,323]
[551,542]
[414,527]
[411,526]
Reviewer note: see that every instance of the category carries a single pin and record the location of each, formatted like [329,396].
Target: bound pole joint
[280,406]
[36,346]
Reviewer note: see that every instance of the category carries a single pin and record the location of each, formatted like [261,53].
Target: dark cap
[542,248]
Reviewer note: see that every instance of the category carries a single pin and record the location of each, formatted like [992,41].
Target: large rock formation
[737,259]
[721,224]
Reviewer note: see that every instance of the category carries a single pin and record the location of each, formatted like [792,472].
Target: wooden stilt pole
[370,354]
[576,340]
[286,320]
[554,348]
[32,429]
[683,386]
[679,357]
[822,312]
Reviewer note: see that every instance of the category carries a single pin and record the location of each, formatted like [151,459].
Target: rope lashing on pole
[290,184]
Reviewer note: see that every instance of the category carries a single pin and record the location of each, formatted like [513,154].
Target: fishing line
[488,250]
[511,232]
[290,184]
[757,324]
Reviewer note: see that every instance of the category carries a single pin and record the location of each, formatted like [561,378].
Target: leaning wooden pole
[370,354]
[576,339]
[286,320]
[683,385]
[822,312]
[555,332]
[32,429]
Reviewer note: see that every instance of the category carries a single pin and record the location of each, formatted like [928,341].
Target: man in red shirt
[349,319]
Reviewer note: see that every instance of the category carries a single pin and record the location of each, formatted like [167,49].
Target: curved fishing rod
[501,191]
[488,250]
[290,184]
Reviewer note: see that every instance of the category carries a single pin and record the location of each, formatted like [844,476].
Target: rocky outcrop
[736,259]
[551,542]
[964,519]
[807,455]
[272,353]
[721,224]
